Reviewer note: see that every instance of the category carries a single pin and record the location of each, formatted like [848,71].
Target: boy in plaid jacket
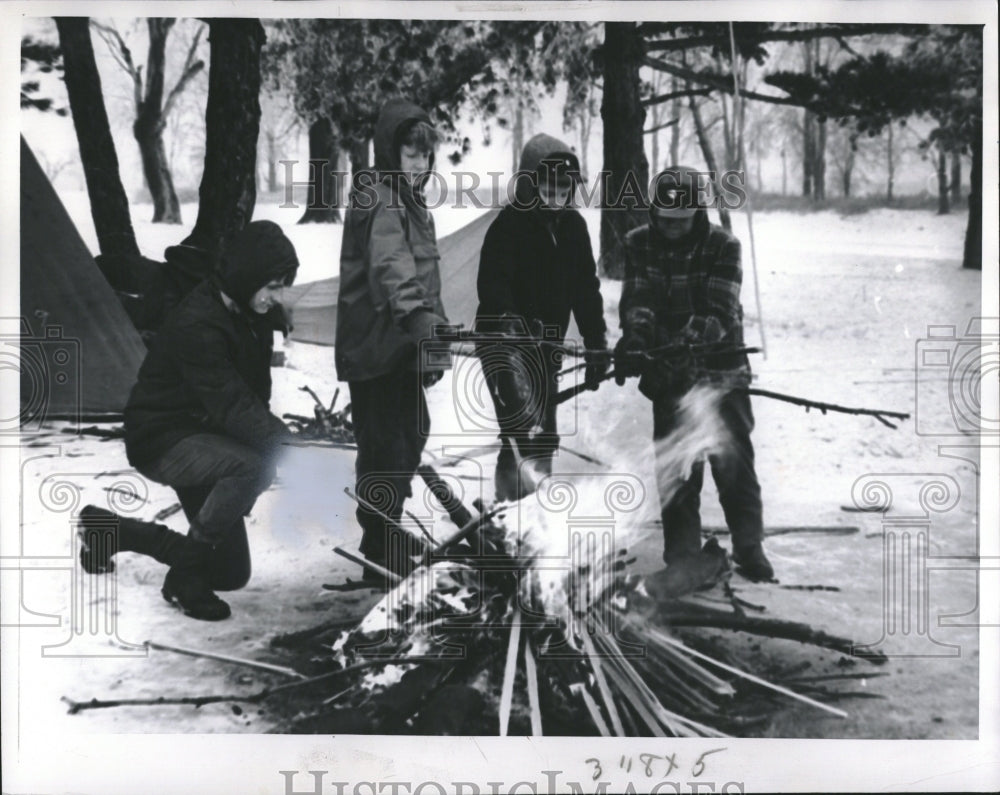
[682,285]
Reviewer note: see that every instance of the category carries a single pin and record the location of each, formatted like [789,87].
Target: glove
[626,360]
[598,365]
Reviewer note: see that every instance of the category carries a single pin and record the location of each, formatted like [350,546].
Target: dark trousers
[523,387]
[735,478]
[391,425]
[217,481]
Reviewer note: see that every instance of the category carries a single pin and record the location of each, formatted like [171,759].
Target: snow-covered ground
[845,303]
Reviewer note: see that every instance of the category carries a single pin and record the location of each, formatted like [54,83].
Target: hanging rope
[739,111]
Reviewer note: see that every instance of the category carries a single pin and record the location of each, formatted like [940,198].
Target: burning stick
[510,671]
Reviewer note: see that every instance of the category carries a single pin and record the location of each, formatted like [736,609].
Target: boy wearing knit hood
[682,285]
[390,303]
[536,268]
[198,420]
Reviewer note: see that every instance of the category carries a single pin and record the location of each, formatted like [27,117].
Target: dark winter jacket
[685,291]
[208,367]
[390,284]
[537,265]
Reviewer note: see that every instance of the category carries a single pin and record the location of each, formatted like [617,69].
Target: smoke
[699,434]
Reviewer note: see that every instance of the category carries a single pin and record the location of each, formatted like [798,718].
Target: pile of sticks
[326,425]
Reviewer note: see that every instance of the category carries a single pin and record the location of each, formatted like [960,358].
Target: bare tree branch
[123,57]
[717,82]
[660,98]
[804,34]
[190,69]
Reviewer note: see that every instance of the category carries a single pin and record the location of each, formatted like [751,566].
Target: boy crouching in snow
[198,420]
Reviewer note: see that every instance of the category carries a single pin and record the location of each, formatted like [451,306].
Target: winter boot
[103,534]
[97,530]
[187,583]
[752,563]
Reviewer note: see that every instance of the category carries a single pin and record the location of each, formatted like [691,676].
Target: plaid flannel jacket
[685,294]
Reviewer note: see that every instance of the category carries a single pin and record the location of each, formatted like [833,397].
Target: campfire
[499,631]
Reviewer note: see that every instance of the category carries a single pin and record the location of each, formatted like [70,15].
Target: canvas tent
[314,305]
[79,353]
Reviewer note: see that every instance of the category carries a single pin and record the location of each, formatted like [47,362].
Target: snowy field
[845,303]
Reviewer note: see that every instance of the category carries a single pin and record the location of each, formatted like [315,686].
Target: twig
[208,655]
[510,672]
[878,414]
[790,630]
[391,576]
[252,698]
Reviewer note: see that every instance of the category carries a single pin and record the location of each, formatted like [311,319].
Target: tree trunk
[232,122]
[586,120]
[808,153]
[360,159]
[624,154]
[848,172]
[784,172]
[166,208]
[819,163]
[322,207]
[942,179]
[272,162]
[675,129]
[891,168]
[956,177]
[709,154]
[149,124]
[517,136]
[108,202]
[973,255]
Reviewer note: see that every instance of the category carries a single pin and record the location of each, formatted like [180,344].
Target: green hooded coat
[390,284]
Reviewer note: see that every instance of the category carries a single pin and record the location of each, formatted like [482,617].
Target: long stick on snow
[209,655]
[755,679]
[509,672]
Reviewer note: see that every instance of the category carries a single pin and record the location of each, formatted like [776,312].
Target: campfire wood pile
[326,424]
[488,636]
[492,634]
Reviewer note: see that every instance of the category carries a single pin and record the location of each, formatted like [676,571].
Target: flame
[700,434]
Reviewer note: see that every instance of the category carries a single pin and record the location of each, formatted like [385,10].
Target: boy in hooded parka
[198,420]
[389,303]
[535,268]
